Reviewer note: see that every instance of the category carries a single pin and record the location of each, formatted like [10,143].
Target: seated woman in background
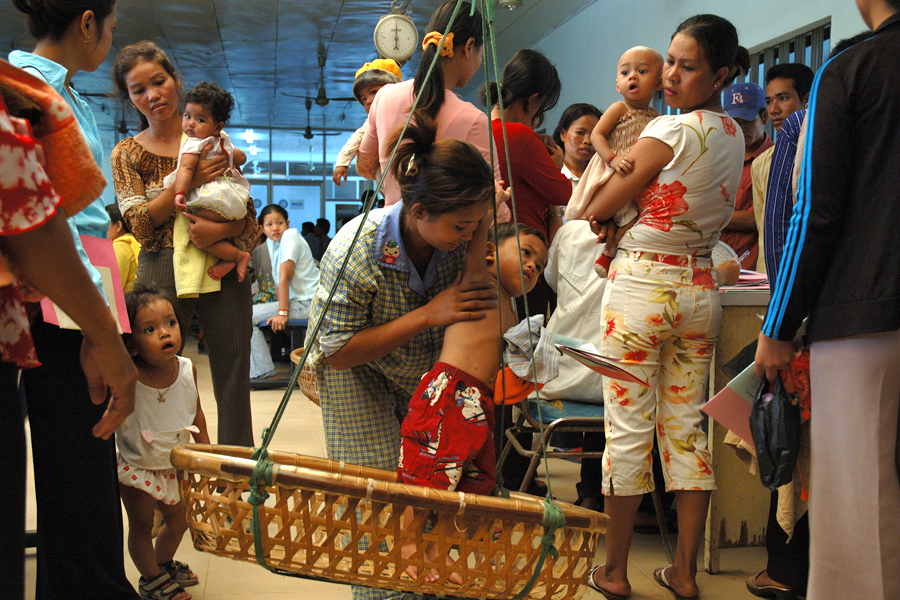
[297,277]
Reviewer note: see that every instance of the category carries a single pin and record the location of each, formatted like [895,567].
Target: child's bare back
[476,346]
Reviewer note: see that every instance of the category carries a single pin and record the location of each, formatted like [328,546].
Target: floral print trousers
[662,315]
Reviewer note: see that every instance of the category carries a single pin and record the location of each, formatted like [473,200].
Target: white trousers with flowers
[661,315]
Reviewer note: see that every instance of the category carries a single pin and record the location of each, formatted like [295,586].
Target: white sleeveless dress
[148,435]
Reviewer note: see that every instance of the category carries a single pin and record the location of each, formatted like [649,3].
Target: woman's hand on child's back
[462,302]
[208,169]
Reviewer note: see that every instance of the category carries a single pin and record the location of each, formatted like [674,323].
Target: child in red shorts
[448,431]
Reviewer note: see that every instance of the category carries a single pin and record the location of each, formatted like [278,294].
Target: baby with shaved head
[638,77]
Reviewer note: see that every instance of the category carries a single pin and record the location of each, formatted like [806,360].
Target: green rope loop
[262,473]
[554,519]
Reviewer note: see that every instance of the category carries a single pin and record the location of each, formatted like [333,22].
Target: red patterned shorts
[448,440]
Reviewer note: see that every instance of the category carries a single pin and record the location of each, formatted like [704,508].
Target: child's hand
[605,231]
[556,153]
[181,201]
[339,173]
[623,165]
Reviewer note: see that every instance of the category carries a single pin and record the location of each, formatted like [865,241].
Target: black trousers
[12,474]
[80,551]
[788,560]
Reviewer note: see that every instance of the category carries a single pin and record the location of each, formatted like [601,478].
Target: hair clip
[411,168]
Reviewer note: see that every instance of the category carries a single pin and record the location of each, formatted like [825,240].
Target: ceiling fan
[307,133]
[321,98]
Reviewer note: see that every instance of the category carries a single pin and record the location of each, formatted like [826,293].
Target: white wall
[587,47]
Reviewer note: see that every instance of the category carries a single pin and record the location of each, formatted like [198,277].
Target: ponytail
[444,176]
[528,73]
[430,90]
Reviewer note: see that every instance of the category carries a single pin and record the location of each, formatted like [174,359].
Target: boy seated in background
[448,432]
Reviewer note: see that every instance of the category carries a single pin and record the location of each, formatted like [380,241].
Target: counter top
[737,296]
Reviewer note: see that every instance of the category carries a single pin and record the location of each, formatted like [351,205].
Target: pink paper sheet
[101,254]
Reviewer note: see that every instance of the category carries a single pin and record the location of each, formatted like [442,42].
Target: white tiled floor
[300,431]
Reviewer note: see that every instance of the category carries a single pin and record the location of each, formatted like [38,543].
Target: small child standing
[448,432]
[124,245]
[638,77]
[207,108]
[369,79]
[166,408]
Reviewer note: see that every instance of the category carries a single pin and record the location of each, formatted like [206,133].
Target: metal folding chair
[576,417]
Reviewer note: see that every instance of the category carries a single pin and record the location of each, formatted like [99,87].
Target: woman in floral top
[661,308]
[146,79]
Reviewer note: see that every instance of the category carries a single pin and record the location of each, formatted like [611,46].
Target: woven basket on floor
[307,379]
[320,510]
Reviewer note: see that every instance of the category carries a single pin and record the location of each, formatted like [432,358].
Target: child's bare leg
[170,535]
[209,215]
[408,548]
[431,554]
[231,258]
[139,508]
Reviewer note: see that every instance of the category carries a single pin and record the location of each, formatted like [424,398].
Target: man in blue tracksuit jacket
[841,268]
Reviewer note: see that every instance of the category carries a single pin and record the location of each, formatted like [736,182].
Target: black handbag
[775,427]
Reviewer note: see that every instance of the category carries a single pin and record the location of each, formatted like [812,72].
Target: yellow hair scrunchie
[435,38]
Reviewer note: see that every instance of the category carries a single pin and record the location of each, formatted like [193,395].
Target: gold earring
[87,39]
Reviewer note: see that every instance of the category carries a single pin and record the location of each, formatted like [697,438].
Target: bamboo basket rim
[234,463]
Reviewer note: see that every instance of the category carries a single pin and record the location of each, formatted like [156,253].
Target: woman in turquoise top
[80,552]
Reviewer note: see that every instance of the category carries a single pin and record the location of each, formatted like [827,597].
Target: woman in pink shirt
[460,58]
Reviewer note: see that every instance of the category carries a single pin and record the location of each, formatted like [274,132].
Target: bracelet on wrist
[282,313]
[609,162]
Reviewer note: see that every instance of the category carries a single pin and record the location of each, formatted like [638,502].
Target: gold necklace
[161,396]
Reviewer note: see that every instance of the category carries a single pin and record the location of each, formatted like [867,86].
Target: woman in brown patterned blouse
[146,79]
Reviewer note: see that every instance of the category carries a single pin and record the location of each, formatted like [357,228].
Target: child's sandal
[160,587]
[179,572]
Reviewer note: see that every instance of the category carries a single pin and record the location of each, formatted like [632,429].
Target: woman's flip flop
[660,576]
[606,594]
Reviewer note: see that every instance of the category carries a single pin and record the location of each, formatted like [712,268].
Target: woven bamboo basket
[340,522]
[307,379]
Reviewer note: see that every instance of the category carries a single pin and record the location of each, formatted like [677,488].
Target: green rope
[553,520]
[263,471]
[489,23]
[261,453]
[262,474]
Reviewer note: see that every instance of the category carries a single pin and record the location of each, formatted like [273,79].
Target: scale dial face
[396,37]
